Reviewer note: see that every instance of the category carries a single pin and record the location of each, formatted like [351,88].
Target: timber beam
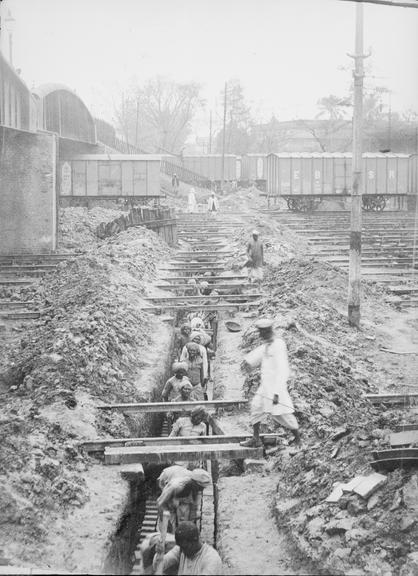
[164,407]
[203,299]
[203,307]
[100,445]
[160,454]
[403,399]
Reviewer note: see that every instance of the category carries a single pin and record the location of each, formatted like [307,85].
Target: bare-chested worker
[195,369]
[191,555]
[181,493]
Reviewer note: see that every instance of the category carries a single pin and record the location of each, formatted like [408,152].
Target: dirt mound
[88,347]
[331,372]
[77,226]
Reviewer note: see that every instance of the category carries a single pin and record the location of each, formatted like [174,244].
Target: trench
[139,516]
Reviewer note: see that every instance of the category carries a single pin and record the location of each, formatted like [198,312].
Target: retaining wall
[28,219]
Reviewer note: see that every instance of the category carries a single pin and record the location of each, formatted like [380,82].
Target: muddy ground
[333,365]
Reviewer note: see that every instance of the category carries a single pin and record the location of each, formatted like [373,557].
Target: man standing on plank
[272,396]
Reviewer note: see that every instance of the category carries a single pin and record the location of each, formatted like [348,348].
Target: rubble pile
[331,372]
[87,348]
[77,226]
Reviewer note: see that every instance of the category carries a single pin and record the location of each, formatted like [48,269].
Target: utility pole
[354,277]
[137,123]
[210,132]
[223,140]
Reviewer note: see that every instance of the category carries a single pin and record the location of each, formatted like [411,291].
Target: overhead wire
[393,3]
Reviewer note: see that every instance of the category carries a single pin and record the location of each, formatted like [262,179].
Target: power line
[412,4]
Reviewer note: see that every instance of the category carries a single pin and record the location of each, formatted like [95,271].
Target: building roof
[334,155]
[118,157]
[45,89]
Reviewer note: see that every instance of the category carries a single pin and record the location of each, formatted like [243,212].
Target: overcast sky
[285,52]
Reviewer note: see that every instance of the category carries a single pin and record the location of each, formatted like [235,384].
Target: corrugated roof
[45,89]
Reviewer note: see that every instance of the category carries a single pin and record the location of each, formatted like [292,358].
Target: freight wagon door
[260,168]
[140,178]
[110,179]
[341,175]
[79,178]
[401,175]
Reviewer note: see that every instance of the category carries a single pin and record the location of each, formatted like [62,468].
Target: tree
[269,137]
[158,115]
[238,121]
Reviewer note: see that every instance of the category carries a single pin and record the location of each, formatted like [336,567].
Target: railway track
[21,271]
[389,242]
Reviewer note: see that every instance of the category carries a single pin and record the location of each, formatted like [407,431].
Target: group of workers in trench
[254,264]
[182,484]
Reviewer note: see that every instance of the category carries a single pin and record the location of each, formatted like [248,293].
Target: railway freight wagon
[413,179]
[210,166]
[110,176]
[254,169]
[304,180]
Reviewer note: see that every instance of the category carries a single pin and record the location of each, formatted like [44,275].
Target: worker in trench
[195,371]
[173,385]
[186,395]
[190,555]
[272,396]
[181,493]
[194,425]
[182,337]
[196,337]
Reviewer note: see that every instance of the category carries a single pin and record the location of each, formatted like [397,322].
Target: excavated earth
[333,365]
[94,345]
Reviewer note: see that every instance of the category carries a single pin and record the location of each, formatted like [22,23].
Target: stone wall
[28,210]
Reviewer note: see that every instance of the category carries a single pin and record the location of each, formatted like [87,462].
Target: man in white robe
[272,396]
[191,202]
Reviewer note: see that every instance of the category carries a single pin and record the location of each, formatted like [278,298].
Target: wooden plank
[20,315]
[395,453]
[390,464]
[132,472]
[15,304]
[405,427]
[392,398]
[404,438]
[383,349]
[225,286]
[31,257]
[100,445]
[206,307]
[173,406]
[26,267]
[15,282]
[210,279]
[160,454]
[157,299]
